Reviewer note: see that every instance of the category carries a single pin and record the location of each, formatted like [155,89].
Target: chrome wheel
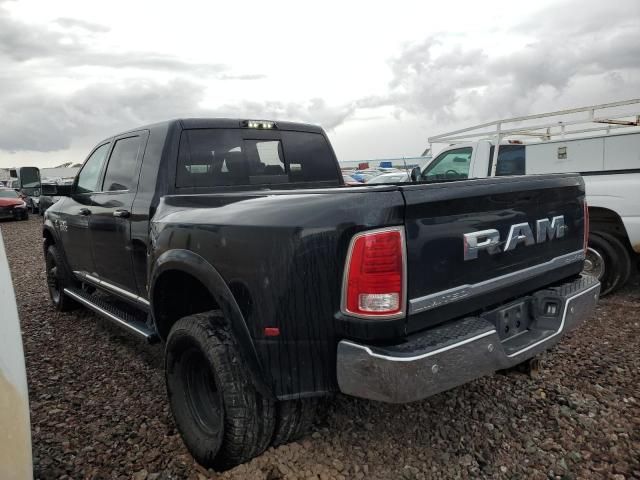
[594,264]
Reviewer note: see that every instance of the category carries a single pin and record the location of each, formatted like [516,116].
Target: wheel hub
[594,264]
[203,397]
[52,282]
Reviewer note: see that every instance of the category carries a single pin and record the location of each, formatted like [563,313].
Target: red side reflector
[271,331]
[585,244]
[375,275]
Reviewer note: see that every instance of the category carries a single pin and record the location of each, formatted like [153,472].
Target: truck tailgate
[443,284]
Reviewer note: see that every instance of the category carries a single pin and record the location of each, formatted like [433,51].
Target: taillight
[585,243]
[375,273]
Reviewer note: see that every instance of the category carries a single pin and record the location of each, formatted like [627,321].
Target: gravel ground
[99,410]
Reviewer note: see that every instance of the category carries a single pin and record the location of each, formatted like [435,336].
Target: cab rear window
[227,157]
[511,160]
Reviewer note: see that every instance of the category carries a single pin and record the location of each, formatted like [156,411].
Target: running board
[111,312]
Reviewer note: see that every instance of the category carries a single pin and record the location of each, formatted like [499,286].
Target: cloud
[44,123]
[72,23]
[594,57]
[248,76]
[315,111]
[36,119]
[573,53]
[21,42]
[47,123]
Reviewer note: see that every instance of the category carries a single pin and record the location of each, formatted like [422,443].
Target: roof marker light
[259,124]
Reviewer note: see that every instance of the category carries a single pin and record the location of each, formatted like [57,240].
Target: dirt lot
[99,410]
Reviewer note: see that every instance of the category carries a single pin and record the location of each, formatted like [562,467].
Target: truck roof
[189,123]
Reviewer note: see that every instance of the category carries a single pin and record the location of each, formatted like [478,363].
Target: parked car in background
[363,176]
[15,431]
[603,146]
[235,242]
[12,206]
[26,180]
[398,176]
[349,180]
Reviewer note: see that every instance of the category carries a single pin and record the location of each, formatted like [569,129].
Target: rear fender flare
[196,266]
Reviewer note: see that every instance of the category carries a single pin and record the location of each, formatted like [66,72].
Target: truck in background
[604,147]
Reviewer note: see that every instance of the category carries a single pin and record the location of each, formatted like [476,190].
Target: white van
[604,147]
[15,431]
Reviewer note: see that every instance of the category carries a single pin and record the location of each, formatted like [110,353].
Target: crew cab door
[110,222]
[72,219]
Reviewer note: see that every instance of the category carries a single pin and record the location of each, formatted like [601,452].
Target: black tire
[59,278]
[616,258]
[624,256]
[25,216]
[223,420]
[294,419]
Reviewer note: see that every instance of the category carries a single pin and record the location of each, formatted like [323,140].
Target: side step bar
[113,313]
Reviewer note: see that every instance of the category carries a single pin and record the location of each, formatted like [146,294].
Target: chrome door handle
[85,211]
[122,213]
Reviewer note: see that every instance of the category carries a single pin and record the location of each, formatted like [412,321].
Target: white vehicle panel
[584,155]
[621,194]
[622,152]
[15,431]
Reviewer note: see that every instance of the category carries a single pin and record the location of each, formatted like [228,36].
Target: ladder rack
[557,125]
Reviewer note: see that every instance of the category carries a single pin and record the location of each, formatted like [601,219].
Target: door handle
[122,213]
[85,211]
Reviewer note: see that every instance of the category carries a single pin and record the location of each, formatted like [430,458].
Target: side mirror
[415,174]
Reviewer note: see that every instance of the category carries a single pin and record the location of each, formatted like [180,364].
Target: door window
[122,165]
[90,174]
[451,165]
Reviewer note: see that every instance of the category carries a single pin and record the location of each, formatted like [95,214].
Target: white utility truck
[602,142]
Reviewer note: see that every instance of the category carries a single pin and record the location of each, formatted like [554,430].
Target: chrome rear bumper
[462,350]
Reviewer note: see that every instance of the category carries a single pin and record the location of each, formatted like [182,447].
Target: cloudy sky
[380,77]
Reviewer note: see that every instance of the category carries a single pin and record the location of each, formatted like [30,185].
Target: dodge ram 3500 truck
[272,284]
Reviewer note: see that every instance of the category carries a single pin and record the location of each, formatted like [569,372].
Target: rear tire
[222,418]
[58,278]
[294,419]
[609,260]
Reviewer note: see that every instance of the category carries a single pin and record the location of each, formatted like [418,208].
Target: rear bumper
[462,350]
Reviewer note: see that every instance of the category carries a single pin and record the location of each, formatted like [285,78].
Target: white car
[15,431]
[391,177]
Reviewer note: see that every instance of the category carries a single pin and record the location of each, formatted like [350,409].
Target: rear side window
[90,174]
[122,165]
[511,160]
[222,157]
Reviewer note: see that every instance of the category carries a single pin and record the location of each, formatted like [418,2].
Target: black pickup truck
[273,284]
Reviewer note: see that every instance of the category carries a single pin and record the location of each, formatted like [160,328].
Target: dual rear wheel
[608,260]
[223,419]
